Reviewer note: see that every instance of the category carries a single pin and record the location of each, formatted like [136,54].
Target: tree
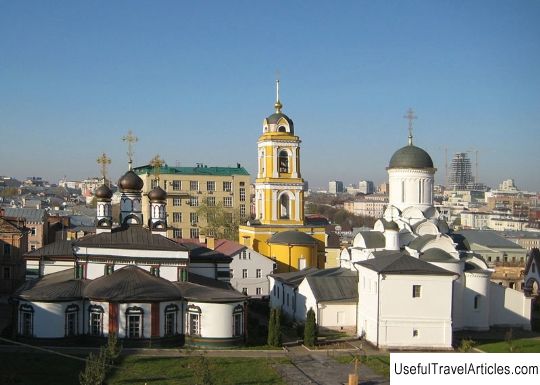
[310,330]
[94,370]
[112,349]
[271,328]
[274,327]
[220,221]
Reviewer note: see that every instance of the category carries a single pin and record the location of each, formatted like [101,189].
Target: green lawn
[525,345]
[39,369]
[379,363]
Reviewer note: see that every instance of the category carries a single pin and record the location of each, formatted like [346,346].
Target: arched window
[476,302]
[95,317]
[238,321]
[171,317]
[283,161]
[284,206]
[134,322]
[282,129]
[72,321]
[26,320]
[194,320]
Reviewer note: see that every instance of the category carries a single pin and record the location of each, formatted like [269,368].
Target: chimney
[211,243]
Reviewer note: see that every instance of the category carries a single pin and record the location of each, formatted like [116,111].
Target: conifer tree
[310,329]
[271,327]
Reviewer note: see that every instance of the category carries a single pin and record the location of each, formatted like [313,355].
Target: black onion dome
[411,157]
[130,181]
[157,194]
[103,192]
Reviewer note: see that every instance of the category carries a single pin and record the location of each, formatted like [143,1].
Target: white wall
[251,262]
[476,284]
[509,307]
[50,267]
[401,313]
[147,319]
[105,316]
[337,315]
[216,318]
[367,304]
[49,318]
[179,318]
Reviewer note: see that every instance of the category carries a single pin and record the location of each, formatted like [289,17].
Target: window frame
[134,311]
[95,310]
[196,312]
[170,311]
[71,326]
[26,313]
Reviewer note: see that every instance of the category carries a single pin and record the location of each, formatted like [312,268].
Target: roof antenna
[410,117]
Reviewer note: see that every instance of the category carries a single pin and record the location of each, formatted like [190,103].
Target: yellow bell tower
[279,230]
[279,188]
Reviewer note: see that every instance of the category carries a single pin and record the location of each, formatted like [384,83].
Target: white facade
[249,272]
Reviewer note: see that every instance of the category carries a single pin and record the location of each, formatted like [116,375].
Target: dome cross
[410,116]
[130,139]
[103,162]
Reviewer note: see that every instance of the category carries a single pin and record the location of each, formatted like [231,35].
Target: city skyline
[195,81]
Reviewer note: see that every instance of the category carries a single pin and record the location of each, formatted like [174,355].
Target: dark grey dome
[103,192]
[411,157]
[389,225]
[437,255]
[130,181]
[274,119]
[157,194]
[292,238]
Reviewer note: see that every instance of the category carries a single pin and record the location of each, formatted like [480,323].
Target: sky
[195,79]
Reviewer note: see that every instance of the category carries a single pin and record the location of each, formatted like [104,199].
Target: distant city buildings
[368,206]
[366,187]
[335,187]
[460,175]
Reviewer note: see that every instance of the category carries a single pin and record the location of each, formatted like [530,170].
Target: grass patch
[523,345]
[20,368]
[380,364]
[23,368]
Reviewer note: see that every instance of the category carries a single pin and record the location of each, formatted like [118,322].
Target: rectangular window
[170,318]
[26,323]
[109,269]
[95,323]
[258,291]
[7,272]
[415,333]
[244,290]
[194,233]
[193,218]
[244,273]
[177,233]
[237,322]
[154,270]
[211,201]
[243,211]
[242,194]
[33,231]
[227,201]
[258,273]
[211,185]
[155,183]
[134,325]
[416,291]
[71,324]
[194,323]
[177,185]
[194,201]
[7,249]
[194,185]
[177,217]
[227,186]
[177,202]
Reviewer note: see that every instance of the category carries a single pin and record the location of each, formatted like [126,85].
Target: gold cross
[410,117]
[130,139]
[156,162]
[103,161]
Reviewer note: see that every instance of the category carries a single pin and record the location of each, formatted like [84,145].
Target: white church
[417,281]
[129,280]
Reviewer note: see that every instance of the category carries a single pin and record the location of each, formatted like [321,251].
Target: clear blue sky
[195,79]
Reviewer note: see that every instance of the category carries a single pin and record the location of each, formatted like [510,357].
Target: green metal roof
[204,170]
[411,157]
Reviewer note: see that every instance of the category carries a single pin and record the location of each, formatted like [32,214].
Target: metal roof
[55,287]
[56,249]
[373,239]
[437,255]
[487,238]
[411,157]
[29,214]
[203,289]
[399,263]
[334,285]
[217,171]
[421,241]
[292,238]
[130,237]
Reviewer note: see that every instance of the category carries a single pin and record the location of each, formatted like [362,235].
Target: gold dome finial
[277,104]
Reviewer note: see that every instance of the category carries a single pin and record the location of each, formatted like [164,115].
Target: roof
[399,263]
[421,241]
[337,284]
[294,278]
[292,237]
[202,254]
[130,284]
[411,157]
[373,239]
[205,170]
[61,248]
[224,246]
[60,286]
[437,255]
[487,238]
[130,237]
[389,225]
[199,288]
[275,117]
[29,214]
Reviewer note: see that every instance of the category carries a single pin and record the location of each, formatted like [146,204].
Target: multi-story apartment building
[190,187]
[13,245]
[368,206]
[36,220]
